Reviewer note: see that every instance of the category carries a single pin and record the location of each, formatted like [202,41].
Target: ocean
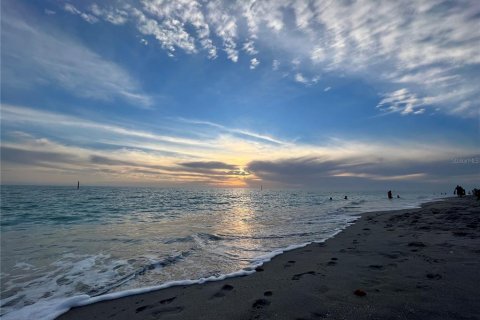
[62,247]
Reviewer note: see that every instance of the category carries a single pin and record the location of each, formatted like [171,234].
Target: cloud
[404,102]
[327,89]
[254,63]
[22,115]
[208,165]
[95,165]
[301,78]
[180,14]
[85,16]
[113,15]
[249,47]
[225,26]
[320,171]
[96,159]
[238,132]
[37,56]
[427,48]
[28,157]
[200,152]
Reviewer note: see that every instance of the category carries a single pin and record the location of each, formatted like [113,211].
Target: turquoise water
[59,242]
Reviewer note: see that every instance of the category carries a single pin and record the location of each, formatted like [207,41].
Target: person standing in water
[389,193]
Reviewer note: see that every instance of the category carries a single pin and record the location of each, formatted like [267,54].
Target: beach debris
[359,293]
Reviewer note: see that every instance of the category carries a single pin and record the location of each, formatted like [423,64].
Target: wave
[139,272]
[358,202]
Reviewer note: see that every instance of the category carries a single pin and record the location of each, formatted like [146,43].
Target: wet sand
[407,264]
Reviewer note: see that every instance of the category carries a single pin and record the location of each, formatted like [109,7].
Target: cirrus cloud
[428,48]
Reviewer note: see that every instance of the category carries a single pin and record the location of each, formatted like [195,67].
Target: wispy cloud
[113,15]
[85,16]
[207,153]
[241,132]
[34,55]
[404,102]
[426,48]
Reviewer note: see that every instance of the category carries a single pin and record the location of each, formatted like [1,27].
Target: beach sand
[408,264]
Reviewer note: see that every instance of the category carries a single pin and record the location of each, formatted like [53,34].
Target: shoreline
[49,309]
[306,276]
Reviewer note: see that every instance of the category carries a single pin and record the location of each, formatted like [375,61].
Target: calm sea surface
[59,242]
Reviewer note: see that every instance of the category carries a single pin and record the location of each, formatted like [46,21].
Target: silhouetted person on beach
[476,192]
[389,193]
[459,191]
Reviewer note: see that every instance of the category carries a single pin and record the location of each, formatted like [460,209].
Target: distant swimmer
[398,196]
[331,198]
[389,193]
[346,198]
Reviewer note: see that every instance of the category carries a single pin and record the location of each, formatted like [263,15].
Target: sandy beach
[407,264]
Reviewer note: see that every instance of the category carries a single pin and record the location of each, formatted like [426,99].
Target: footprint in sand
[434,276]
[148,306]
[332,262]
[167,301]
[417,244]
[300,275]
[260,303]
[289,264]
[223,291]
[166,311]
[376,266]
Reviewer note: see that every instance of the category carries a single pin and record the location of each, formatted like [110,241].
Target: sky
[334,95]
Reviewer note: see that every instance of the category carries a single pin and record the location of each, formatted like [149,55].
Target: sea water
[62,247]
